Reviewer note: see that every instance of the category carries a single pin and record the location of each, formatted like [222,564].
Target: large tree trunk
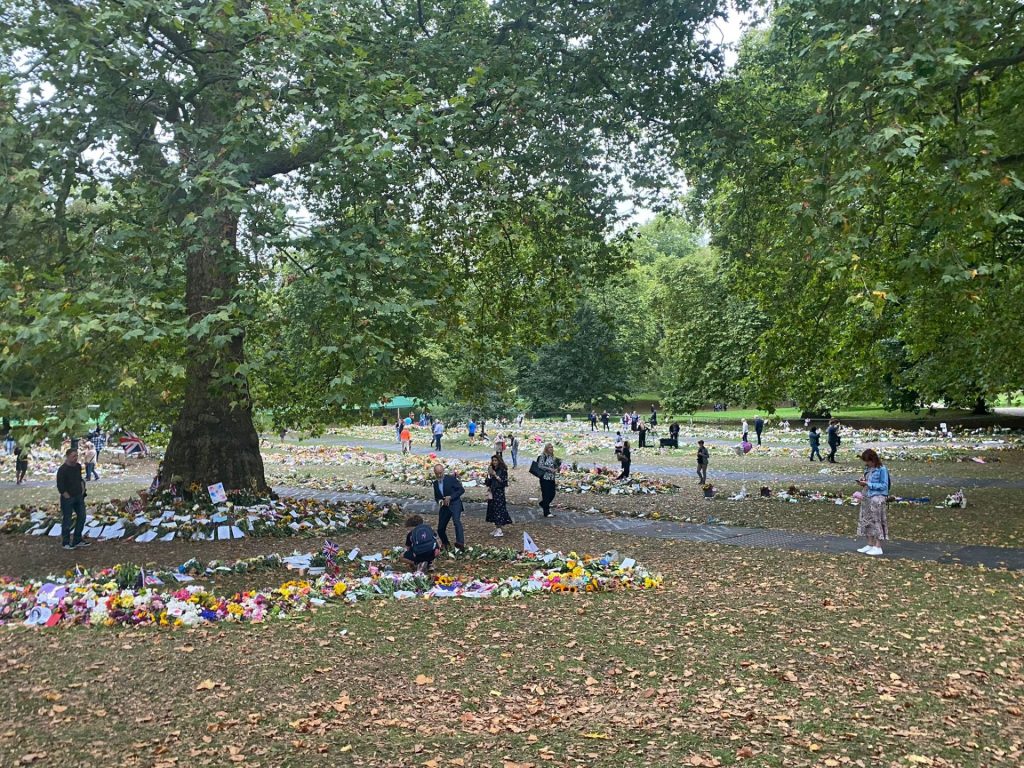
[214,440]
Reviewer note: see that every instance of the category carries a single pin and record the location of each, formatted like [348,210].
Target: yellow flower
[339,588]
[235,609]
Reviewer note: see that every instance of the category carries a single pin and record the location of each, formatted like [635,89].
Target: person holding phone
[874,504]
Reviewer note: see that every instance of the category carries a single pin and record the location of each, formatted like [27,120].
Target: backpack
[422,540]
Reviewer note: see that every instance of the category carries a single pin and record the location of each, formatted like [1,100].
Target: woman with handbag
[545,468]
[497,506]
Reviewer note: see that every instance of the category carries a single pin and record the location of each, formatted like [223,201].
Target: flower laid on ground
[166,517]
[956,500]
[88,601]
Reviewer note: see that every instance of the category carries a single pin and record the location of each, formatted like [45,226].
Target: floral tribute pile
[603,480]
[166,517]
[90,601]
[408,469]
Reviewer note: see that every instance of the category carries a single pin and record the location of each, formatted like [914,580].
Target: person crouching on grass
[421,545]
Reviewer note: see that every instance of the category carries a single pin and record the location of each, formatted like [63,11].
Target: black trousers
[547,495]
[759,437]
[625,470]
[832,448]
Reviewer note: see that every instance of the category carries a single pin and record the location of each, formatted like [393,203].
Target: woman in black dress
[497,507]
[625,458]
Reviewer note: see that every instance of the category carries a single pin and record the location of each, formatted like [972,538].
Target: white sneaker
[864,550]
[498,533]
[874,551]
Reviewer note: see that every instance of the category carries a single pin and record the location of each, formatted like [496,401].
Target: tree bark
[980,406]
[214,439]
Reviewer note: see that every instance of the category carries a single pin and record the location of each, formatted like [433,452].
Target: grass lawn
[758,658]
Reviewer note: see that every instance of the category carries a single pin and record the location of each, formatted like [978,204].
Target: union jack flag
[330,554]
[132,445]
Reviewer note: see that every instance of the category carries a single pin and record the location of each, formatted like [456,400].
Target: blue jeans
[90,472]
[446,514]
[75,504]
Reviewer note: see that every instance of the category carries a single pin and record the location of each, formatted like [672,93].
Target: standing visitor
[99,442]
[815,440]
[548,467]
[483,428]
[513,450]
[874,505]
[703,456]
[9,443]
[438,430]
[834,440]
[641,430]
[605,418]
[20,464]
[520,418]
[758,427]
[499,445]
[673,434]
[71,488]
[448,495]
[625,459]
[497,507]
[471,429]
[654,417]
[618,442]
[89,459]
[634,421]
[406,437]
[593,420]
[399,426]
[746,430]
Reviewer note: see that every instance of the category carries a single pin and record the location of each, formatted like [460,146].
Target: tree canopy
[860,170]
[207,203]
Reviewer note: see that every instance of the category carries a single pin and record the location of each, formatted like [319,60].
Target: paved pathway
[990,557]
[805,479]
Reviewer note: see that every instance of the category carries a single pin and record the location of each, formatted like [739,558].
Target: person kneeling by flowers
[421,545]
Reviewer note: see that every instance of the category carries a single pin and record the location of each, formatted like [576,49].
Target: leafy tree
[711,332]
[861,170]
[164,159]
[586,367]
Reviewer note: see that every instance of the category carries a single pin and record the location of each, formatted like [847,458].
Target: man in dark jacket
[71,488]
[448,495]
[833,440]
[815,441]
[758,427]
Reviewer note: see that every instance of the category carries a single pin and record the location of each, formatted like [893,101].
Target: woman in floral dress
[497,507]
[874,505]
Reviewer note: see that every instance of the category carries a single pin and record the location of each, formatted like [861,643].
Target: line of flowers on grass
[85,601]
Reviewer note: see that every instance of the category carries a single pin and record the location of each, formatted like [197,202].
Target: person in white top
[438,433]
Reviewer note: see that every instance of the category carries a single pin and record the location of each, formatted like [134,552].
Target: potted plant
[709,491]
